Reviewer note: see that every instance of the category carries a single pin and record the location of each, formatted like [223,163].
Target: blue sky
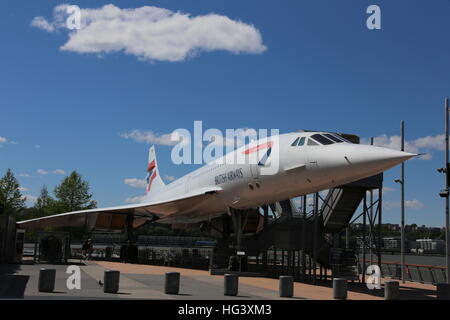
[321,69]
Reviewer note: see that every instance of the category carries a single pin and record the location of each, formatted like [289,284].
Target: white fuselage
[302,169]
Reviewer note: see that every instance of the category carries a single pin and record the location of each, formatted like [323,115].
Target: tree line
[70,195]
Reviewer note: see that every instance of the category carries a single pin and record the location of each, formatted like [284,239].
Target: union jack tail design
[154,181]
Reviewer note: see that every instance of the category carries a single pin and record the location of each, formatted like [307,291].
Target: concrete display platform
[147,282]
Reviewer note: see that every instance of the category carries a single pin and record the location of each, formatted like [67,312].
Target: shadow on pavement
[406,293]
[12,285]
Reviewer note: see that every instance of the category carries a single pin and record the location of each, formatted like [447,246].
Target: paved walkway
[147,282]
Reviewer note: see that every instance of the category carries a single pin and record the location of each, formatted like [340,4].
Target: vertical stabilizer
[153,178]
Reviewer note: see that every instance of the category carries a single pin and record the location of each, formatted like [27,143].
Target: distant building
[392,227]
[392,243]
[430,246]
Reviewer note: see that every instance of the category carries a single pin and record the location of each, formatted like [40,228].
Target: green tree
[45,204]
[12,199]
[73,194]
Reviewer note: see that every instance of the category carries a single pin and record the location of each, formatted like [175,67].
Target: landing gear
[239,219]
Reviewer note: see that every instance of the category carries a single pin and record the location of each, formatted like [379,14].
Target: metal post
[265,222]
[309,267]
[447,224]
[292,262]
[315,235]
[364,239]
[304,239]
[129,227]
[371,222]
[402,183]
[380,211]
[347,237]
[275,264]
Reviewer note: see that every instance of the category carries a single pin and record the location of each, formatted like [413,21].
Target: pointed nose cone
[377,159]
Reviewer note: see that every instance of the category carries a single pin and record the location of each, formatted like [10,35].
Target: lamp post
[447,233]
[402,224]
[445,193]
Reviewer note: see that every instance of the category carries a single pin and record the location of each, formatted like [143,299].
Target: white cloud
[42,23]
[414,204]
[411,204]
[432,143]
[387,189]
[59,171]
[135,199]
[154,34]
[135,183]
[23,189]
[23,174]
[149,137]
[41,171]
[420,145]
[3,140]
[169,178]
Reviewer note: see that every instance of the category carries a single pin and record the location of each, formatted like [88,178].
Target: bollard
[111,281]
[47,280]
[340,288]
[391,290]
[443,291]
[286,286]
[231,283]
[172,283]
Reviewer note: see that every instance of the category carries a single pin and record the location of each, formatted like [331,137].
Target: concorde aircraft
[281,167]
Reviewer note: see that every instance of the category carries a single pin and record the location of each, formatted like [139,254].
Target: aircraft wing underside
[116,217]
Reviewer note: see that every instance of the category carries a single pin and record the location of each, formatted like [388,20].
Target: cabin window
[295,142]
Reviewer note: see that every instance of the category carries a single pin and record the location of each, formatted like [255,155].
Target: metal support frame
[129,227]
[371,233]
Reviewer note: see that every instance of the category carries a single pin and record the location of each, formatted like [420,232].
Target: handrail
[411,265]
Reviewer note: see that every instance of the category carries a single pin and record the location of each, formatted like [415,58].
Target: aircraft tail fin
[153,178]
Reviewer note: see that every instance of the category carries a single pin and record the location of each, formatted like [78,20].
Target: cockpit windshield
[335,139]
[328,138]
[322,139]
